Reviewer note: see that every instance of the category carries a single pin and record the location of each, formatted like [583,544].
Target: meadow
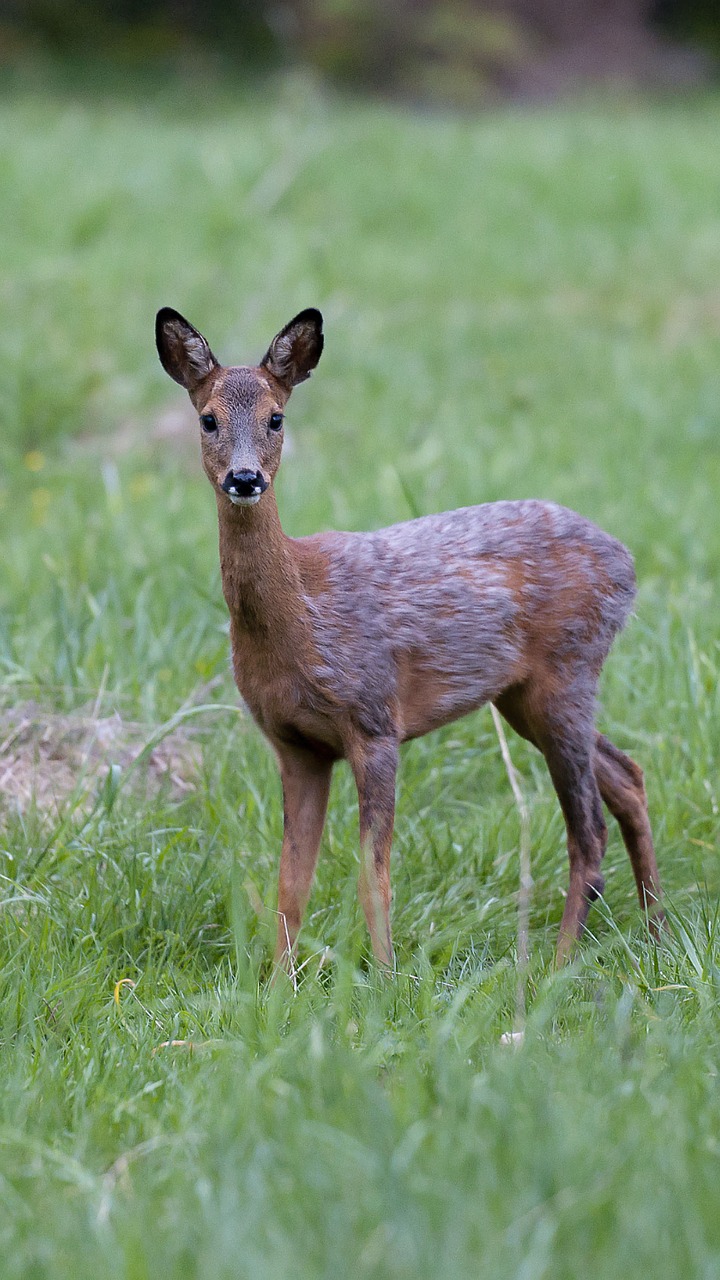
[524,303]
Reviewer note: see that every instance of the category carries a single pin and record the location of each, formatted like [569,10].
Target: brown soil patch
[46,757]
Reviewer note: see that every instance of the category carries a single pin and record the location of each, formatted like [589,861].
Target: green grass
[522,304]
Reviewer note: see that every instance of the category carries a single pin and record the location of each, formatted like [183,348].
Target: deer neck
[260,576]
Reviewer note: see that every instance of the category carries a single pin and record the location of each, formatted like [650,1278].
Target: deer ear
[296,349]
[184,353]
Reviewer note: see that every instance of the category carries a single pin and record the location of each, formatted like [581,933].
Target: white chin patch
[244,502]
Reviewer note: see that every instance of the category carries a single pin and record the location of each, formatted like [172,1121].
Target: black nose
[245,484]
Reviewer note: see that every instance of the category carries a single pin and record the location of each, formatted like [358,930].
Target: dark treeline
[458,50]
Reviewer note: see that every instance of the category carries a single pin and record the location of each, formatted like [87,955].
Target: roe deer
[344,645]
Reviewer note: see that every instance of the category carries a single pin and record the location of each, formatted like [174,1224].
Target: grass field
[517,305]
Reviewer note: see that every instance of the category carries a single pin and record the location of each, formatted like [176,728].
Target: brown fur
[345,645]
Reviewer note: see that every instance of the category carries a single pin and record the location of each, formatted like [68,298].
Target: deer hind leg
[565,734]
[374,764]
[306,786]
[622,788]
[570,762]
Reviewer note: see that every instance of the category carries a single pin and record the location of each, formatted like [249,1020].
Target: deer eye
[208,422]
[276,421]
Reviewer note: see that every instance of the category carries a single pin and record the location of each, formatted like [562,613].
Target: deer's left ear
[296,349]
[183,351]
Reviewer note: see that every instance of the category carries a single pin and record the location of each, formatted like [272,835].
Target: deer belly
[432,693]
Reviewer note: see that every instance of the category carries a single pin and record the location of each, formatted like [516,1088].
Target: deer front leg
[374,764]
[306,785]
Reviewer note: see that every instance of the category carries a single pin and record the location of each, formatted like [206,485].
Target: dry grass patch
[45,757]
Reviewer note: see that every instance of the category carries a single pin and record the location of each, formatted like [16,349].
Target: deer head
[241,407]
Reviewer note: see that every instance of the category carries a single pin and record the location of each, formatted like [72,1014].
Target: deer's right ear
[184,353]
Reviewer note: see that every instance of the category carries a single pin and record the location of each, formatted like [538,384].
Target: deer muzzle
[244,488]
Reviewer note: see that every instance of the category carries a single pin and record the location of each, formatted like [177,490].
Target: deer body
[346,644]
[404,630]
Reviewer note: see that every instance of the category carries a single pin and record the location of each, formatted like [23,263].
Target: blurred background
[509,215]
[448,51]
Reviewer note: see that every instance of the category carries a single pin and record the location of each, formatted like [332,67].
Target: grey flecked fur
[439,590]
